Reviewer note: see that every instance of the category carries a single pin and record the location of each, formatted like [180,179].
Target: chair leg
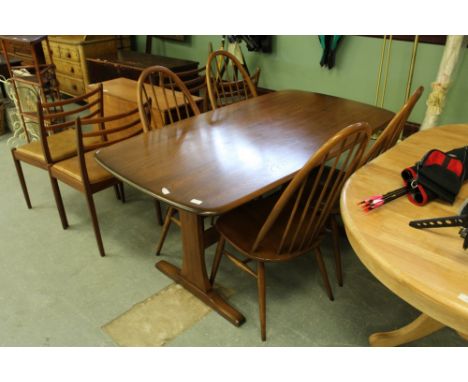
[336,249]
[97,232]
[165,229]
[122,192]
[19,171]
[323,271]
[157,205]
[217,259]
[59,201]
[117,191]
[261,297]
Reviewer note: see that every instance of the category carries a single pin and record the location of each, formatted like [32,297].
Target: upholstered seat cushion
[71,168]
[61,145]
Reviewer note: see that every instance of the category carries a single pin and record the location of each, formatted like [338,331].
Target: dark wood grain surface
[216,161]
[126,63]
[231,155]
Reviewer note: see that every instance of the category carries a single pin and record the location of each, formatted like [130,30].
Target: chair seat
[241,226]
[71,168]
[61,146]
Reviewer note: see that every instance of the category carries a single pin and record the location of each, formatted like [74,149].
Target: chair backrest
[227,80]
[298,217]
[390,135]
[105,131]
[170,103]
[255,77]
[55,117]
[195,81]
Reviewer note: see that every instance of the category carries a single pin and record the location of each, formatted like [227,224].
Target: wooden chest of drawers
[69,55]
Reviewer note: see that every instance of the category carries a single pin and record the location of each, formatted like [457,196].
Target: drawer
[69,53]
[55,50]
[69,68]
[71,85]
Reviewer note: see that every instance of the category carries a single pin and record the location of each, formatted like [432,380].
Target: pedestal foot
[419,328]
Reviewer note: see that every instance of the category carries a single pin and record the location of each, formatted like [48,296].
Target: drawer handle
[72,70]
[68,55]
[74,87]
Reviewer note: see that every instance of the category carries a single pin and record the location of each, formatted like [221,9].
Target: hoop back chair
[57,138]
[172,101]
[82,172]
[386,140]
[195,80]
[227,80]
[279,228]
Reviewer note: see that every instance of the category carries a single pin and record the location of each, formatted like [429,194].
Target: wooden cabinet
[24,49]
[69,55]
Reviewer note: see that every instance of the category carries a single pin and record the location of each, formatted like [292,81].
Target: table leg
[193,276]
[419,328]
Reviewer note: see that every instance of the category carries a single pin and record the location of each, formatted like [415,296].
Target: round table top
[428,268]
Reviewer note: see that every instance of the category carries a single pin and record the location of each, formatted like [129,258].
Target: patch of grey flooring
[55,290]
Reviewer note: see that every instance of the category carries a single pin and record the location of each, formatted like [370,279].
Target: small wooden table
[120,95]
[427,268]
[214,162]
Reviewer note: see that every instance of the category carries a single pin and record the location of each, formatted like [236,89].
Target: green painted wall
[294,64]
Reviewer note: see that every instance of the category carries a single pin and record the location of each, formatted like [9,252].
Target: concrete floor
[55,290]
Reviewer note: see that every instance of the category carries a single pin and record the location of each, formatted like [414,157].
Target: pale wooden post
[453,54]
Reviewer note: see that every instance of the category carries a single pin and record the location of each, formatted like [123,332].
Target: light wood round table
[427,268]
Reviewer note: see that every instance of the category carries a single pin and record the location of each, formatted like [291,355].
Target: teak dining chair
[227,80]
[387,139]
[281,227]
[171,102]
[82,172]
[57,138]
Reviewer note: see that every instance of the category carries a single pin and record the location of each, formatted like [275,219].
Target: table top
[218,160]
[427,268]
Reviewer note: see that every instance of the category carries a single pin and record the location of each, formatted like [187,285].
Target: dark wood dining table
[214,162]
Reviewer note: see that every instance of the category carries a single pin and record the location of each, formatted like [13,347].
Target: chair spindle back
[171,102]
[227,80]
[301,211]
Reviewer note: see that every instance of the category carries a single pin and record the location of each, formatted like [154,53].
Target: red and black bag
[436,175]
